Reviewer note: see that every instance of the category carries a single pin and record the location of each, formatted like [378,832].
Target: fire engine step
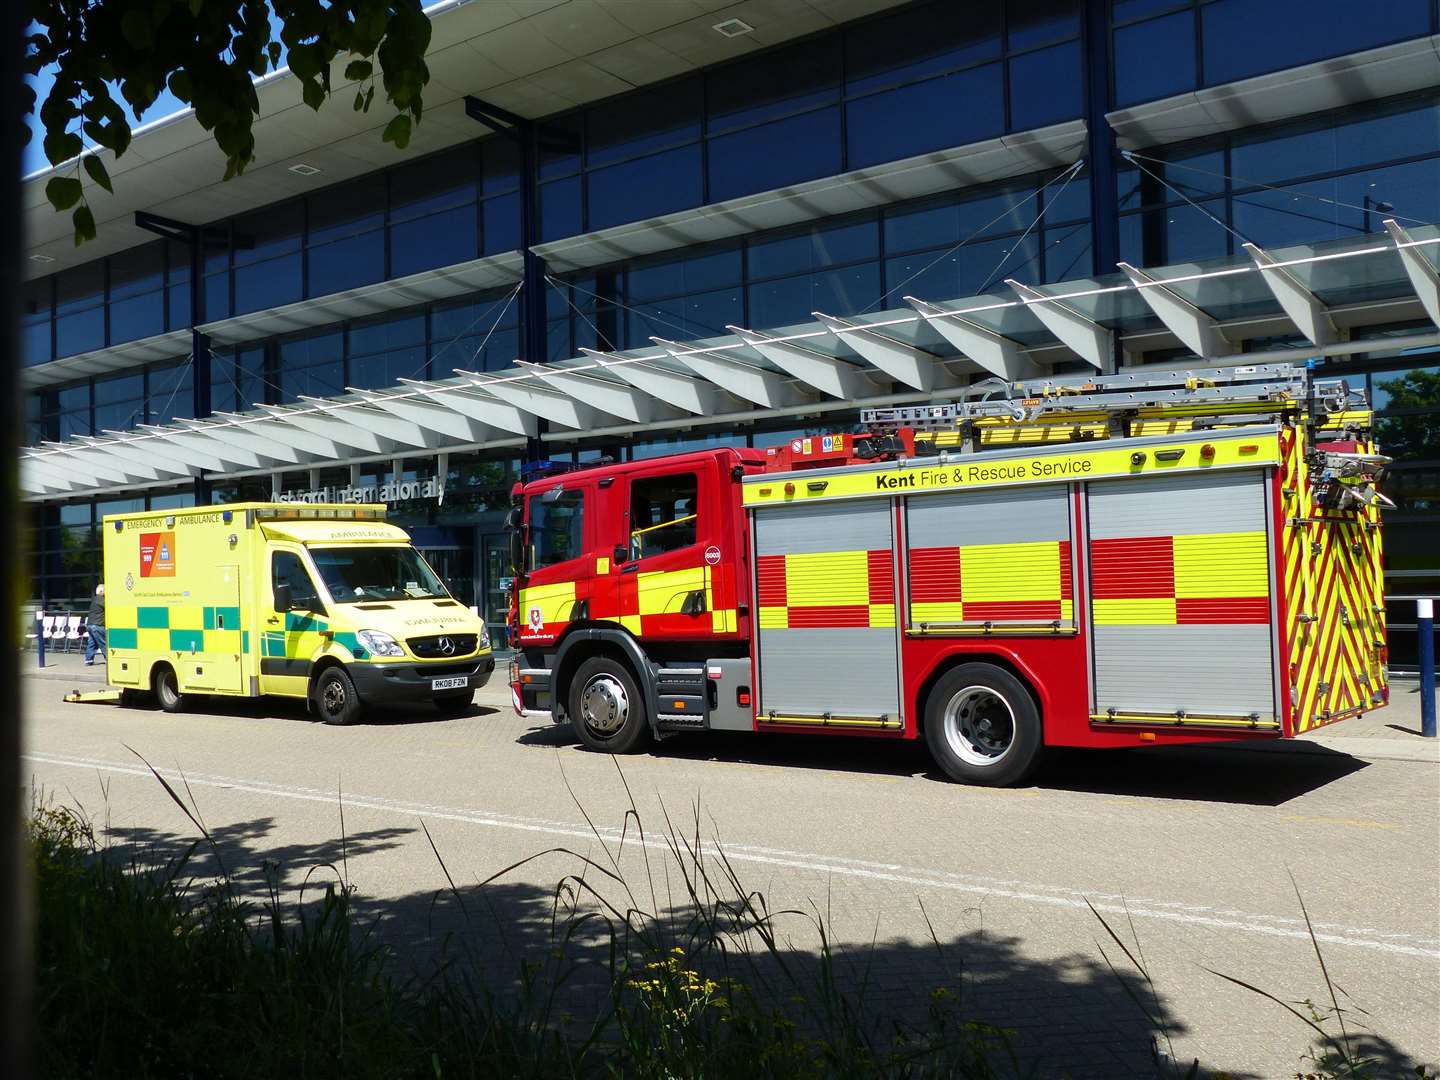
[681,699]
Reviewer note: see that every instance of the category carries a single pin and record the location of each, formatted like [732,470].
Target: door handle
[273,619]
[630,568]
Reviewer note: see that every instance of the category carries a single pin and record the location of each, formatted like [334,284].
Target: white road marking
[1028,892]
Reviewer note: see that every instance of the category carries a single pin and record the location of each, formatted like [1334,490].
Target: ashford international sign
[398,491]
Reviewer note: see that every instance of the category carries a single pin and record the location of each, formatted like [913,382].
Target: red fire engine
[1182,557]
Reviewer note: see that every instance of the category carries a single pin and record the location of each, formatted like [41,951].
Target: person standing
[95,627]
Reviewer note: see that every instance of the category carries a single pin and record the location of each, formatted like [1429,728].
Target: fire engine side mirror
[620,554]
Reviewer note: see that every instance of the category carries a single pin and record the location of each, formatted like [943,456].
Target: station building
[631,227]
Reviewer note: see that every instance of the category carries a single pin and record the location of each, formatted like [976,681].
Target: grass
[147,967]
[151,969]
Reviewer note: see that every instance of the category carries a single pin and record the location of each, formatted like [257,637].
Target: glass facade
[924,77]
[1165,47]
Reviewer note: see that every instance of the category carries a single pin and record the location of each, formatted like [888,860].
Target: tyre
[167,690]
[456,704]
[335,698]
[982,726]
[606,708]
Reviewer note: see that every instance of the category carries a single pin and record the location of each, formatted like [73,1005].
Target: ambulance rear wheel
[982,726]
[606,709]
[335,698]
[167,690]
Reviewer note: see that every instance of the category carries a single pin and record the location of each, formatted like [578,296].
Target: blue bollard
[40,640]
[1425,612]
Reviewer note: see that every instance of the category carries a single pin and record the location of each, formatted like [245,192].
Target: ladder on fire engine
[1138,403]
[1131,404]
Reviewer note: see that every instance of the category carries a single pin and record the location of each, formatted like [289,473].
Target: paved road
[1194,849]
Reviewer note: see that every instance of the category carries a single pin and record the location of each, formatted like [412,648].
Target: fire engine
[1137,559]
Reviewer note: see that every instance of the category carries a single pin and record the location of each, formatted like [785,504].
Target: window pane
[171,394]
[792,300]
[561,162]
[502,224]
[698,273]
[499,165]
[1031,23]
[310,365]
[137,317]
[1242,38]
[683,318]
[80,332]
[1297,214]
[81,288]
[645,188]
[35,317]
[1008,209]
[442,182]
[921,41]
[275,231]
[238,379]
[266,285]
[815,249]
[119,402]
[1177,234]
[1155,59]
[663,514]
[559,209]
[800,77]
[975,268]
[556,527]
[1067,252]
[440,239]
[644,121]
[775,154]
[926,116]
[1045,87]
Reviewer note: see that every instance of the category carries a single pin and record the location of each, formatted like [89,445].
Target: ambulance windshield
[357,574]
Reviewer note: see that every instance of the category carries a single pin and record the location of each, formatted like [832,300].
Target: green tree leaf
[96,168]
[63,192]
[84,222]
[358,70]
[397,131]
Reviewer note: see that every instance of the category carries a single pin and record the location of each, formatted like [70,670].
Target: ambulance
[329,604]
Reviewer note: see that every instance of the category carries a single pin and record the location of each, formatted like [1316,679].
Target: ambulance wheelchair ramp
[94,697]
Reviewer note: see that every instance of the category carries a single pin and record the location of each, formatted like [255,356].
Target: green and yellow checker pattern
[176,628]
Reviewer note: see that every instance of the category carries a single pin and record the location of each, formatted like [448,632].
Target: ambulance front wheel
[982,726]
[167,690]
[335,698]
[606,709]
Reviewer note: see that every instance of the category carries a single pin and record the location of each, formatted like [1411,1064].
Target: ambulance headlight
[380,643]
[484,636]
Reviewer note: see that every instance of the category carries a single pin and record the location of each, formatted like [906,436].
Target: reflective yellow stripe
[1001,572]
[663,592]
[1140,612]
[554,601]
[1221,564]
[774,618]
[947,611]
[882,615]
[827,578]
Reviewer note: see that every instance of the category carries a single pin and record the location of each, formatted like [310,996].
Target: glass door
[498,579]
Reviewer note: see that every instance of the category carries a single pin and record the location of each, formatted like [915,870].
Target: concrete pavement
[1191,850]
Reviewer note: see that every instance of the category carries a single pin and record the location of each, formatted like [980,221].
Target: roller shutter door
[826,610]
[1180,595]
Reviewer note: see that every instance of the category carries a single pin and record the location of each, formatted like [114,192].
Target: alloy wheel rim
[333,697]
[604,705]
[979,726]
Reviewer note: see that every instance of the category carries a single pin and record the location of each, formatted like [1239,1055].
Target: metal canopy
[927,351]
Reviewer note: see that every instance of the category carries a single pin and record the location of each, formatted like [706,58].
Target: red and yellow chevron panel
[816,590]
[1204,578]
[1023,582]
[1334,587]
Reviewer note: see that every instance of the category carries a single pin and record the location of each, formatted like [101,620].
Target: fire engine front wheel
[606,708]
[982,726]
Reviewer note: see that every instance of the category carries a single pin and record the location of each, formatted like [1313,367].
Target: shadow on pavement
[292,709]
[1271,776]
[1067,1016]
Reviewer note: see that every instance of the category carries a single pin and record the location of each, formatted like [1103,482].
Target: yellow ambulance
[327,603]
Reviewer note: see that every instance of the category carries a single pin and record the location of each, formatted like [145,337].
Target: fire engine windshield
[356,574]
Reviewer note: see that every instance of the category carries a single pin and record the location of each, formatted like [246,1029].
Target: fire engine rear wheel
[167,690]
[982,726]
[606,709]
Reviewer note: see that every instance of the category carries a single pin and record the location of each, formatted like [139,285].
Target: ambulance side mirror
[284,600]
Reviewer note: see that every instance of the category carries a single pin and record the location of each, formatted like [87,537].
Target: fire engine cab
[1140,559]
